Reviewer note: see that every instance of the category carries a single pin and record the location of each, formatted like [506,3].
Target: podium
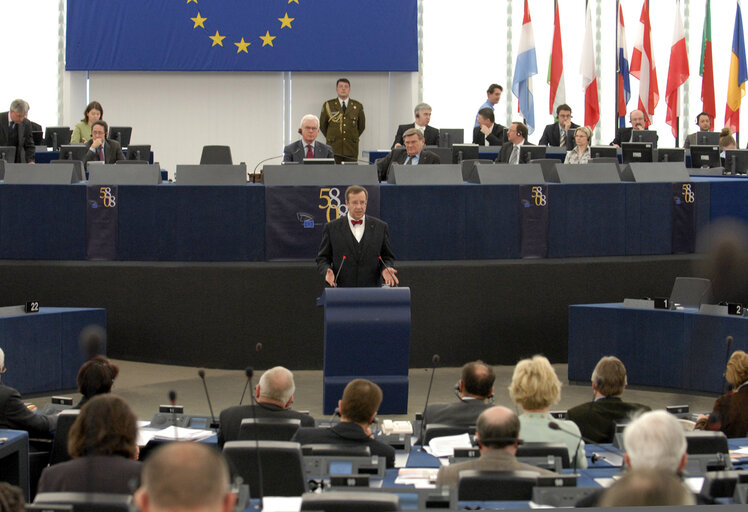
[367,336]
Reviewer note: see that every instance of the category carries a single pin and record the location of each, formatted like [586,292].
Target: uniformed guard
[342,122]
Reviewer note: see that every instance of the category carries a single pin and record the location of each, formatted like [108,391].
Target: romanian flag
[738,75]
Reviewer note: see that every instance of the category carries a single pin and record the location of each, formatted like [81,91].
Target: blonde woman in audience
[535,387]
[730,414]
[581,153]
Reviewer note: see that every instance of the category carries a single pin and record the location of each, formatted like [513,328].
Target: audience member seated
[596,420]
[82,131]
[423,117]
[581,153]
[15,130]
[638,122]
[100,147]
[475,388]
[185,477]
[274,395]
[11,498]
[704,122]
[497,437]
[535,387]
[554,134]
[488,133]
[730,414]
[103,446]
[517,136]
[308,146]
[16,416]
[96,377]
[647,487]
[726,140]
[413,154]
[358,408]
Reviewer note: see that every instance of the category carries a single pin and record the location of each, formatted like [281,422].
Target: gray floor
[146,385]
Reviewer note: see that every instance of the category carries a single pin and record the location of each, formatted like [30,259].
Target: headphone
[418,115]
[299,131]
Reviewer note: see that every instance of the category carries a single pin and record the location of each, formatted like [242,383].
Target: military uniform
[342,131]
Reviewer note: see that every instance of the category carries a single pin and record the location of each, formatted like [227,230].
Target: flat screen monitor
[707,138]
[56,136]
[671,155]
[444,154]
[142,152]
[604,152]
[636,152]
[736,161]
[528,152]
[73,152]
[121,134]
[644,136]
[319,161]
[703,157]
[462,152]
[451,136]
[8,154]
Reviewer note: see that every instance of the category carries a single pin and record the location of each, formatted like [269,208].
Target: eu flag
[242,35]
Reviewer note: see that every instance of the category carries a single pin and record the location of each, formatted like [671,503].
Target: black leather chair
[691,291]
[268,429]
[281,462]
[335,450]
[496,485]
[216,155]
[350,502]
[556,450]
[59,451]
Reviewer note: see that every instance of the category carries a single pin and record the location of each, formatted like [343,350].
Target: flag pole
[615,110]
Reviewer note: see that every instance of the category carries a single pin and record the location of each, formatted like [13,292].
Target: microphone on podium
[342,262]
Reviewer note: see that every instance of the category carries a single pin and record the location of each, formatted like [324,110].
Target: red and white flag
[677,71]
[643,68]
[589,76]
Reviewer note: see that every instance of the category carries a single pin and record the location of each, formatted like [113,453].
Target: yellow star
[289,1]
[267,38]
[241,46]
[198,21]
[188,1]
[217,39]
[286,21]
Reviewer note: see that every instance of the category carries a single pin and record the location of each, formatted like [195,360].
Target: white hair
[277,384]
[655,440]
[307,118]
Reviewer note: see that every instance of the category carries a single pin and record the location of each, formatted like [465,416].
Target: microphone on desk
[213,423]
[339,269]
[265,160]
[595,456]
[391,273]
[248,371]
[173,402]
[435,361]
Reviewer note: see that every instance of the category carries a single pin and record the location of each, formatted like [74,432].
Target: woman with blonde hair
[535,387]
[730,414]
[581,153]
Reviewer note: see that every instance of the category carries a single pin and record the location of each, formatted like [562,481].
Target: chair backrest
[439,430]
[59,451]
[496,485]
[337,501]
[556,450]
[281,462]
[216,155]
[86,501]
[77,168]
[268,429]
[691,291]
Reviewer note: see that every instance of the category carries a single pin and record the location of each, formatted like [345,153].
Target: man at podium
[355,249]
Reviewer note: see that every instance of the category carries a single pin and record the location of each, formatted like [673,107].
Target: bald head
[497,428]
[277,387]
[477,380]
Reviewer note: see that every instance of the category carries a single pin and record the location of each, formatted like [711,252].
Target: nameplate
[32,306]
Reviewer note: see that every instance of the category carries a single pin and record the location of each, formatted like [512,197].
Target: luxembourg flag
[624,84]
[589,76]
[643,67]
[524,69]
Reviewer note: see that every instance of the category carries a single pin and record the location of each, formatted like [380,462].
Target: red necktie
[101,153]
[357,222]
[309,151]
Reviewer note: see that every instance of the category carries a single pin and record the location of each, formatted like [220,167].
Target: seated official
[475,387]
[704,122]
[638,122]
[596,420]
[96,377]
[413,154]
[100,147]
[15,415]
[497,436]
[358,408]
[308,146]
[103,445]
[554,134]
[730,414]
[535,387]
[487,133]
[274,395]
[517,136]
[423,117]
[581,153]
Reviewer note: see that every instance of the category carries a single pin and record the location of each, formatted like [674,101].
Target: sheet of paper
[420,478]
[281,504]
[444,446]
[695,483]
[183,434]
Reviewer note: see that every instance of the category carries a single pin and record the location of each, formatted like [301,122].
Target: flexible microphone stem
[342,262]
[389,271]
[213,423]
[555,426]
[435,361]
[173,401]
[250,372]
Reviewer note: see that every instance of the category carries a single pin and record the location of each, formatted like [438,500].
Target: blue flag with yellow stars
[242,35]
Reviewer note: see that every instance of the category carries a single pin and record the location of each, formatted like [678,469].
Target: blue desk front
[14,459]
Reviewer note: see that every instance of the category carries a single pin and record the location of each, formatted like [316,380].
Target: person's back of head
[609,376]
[185,476]
[736,371]
[477,379]
[647,487]
[655,440]
[497,427]
[96,376]
[361,399]
[535,384]
[11,498]
[277,385]
[105,426]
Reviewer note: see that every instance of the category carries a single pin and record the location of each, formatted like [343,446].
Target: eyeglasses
[358,203]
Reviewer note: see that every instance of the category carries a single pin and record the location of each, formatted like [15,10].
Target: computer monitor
[121,134]
[703,157]
[73,152]
[142,152]
[636,152]
[604,152]
[56,136]
[462,152]
[451,136]
[8,154]
[736,161]
[707,138]
[528,152]
[671,155]
[644,136]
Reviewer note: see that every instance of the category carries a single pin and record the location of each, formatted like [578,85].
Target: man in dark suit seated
[517,136]
[475,388]
[101,148]
[423,117]
[487,133]
[358,408]
[16,131]
[554,134]
[638,122]
[497,437]
[274,395]
[308,146]
[596,420]
[413,154]
[16,416]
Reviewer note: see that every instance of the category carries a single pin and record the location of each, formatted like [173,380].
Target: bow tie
[357,222]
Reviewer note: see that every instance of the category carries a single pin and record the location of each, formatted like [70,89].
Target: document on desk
[281,504]
[420,478]
[173,433]
[445,446]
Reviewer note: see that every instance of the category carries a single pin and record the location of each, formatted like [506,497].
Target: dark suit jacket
[25,148]
[624,135]
[231,418]
[398,156]
[463,413]
[345,433]
[16,416]
[596,420]
[506,152]
[112,152]
[111,474]
[430,133]
[552,135]
[731,411]
[362,266]
[296,152]
[495,138]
